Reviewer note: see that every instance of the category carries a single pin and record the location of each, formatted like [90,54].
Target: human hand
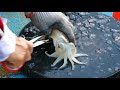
[22,54]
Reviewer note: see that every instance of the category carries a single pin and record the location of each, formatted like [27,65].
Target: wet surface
[97,35]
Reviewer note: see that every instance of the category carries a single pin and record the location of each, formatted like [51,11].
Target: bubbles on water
[101,16]
[114,30]
[82,66]
[88,24]
[109,48]
[30,30]
[78,23]
[100,51]
[107,36]
[85,60]
[98,28]
[80,46]
[102,21]
[56,74]
[84,33]
[72,17]
[69,73]
[113,55]
[31,65]
[117,68]
[101,70]
[97,72]
[54,68]
[102,63]
[82,28]
[83,13]
[116,37]
[26,30]
[92,20]
[88,43]
[98,66]
[110,69]
[92,36]
[99,58]
[118,64]
[107,29]
[102,26]
[92,25]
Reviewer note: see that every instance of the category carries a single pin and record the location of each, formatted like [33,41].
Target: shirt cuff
[7,43]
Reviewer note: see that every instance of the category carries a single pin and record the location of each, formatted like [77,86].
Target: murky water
[96,34]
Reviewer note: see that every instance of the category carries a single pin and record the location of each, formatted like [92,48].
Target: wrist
[8,68]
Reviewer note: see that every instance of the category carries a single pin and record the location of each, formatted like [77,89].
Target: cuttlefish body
[64,50]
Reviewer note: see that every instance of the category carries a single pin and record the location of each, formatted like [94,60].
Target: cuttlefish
[64,50]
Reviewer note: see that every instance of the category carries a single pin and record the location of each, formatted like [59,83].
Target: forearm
[7,42]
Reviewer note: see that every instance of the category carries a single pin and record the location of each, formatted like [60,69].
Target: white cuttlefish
[64,50]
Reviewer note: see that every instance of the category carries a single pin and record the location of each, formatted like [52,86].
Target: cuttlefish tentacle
[80,55]
[57,60]
[76,61]
[52,55]
[72,63]
[65,63]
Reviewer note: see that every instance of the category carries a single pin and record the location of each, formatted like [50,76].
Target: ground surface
[97,35]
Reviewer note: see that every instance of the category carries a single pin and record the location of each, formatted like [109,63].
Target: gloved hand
[47,21]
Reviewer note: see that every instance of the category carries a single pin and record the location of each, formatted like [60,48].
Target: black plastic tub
[96,34]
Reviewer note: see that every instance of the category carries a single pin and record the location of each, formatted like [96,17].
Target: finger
[28,56]
[21,42]
[28,43]
[30,46]
[21,38]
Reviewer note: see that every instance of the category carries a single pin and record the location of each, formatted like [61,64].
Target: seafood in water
[64,50]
